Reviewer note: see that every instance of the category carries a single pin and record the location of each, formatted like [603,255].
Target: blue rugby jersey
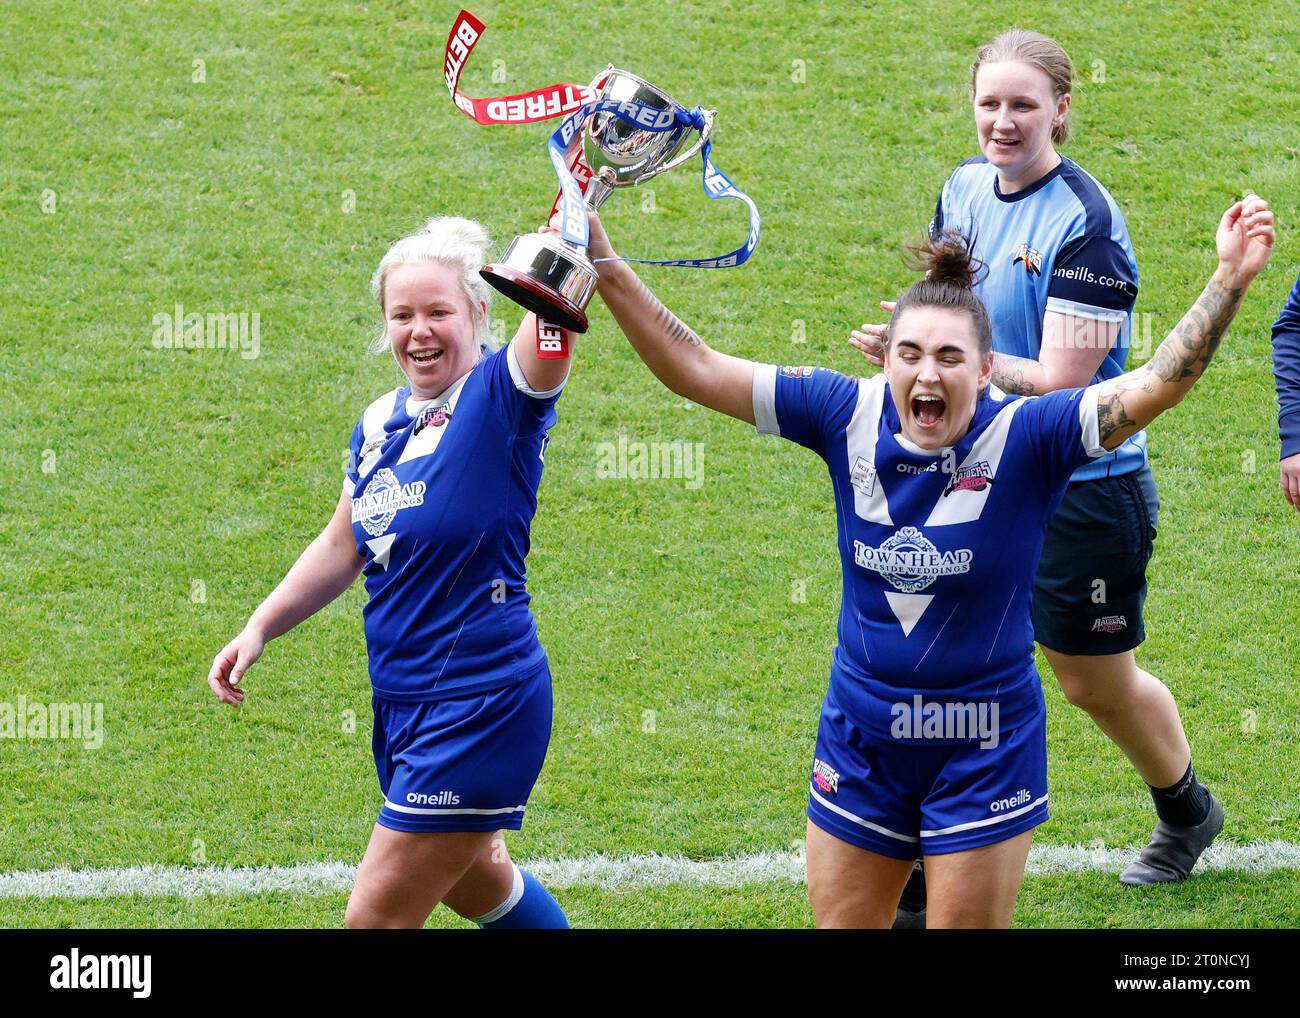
[938,550]
[1286,372]
[1061,245]
[443,493]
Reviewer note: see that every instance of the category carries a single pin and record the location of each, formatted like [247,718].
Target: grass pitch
[256,159]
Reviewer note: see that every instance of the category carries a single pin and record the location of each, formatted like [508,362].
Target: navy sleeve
[1092,278]
[805,405]
[526,410]
[1286,372]
[1062,428]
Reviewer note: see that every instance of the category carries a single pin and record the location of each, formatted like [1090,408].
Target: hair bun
[457,232]
[951,272]
[947,258]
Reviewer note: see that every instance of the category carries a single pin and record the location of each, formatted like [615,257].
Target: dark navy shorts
[466,764]
[1092,583]
[905,798]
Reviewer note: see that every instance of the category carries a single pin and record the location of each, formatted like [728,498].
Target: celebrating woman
[1286,373]
[1060,285]
[439,494]
[932,734]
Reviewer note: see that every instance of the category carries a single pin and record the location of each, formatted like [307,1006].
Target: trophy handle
[705,132]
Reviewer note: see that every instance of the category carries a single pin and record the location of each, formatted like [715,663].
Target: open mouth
[1004,143]
[425,357]
[928,410]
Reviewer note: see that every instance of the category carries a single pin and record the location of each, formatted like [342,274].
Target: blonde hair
[1021,46]
[451,240]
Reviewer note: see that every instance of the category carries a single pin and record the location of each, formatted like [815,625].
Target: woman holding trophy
[437,502]
[932,738]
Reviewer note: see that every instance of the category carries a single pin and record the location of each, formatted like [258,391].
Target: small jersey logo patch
[1033,259]
[1110,624]
[1021,798]
[444,798]
[826,779]
[432,417]
[800,372]
[975,477]
[863,477]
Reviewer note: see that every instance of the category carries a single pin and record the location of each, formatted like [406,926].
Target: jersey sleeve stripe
[1072,307]
[765,400]
[1088,424]
[1095,207]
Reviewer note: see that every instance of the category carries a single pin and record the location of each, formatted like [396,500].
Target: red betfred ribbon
[553,341]
[526,108]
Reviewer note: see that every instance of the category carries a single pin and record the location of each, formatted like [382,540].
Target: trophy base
[546,276]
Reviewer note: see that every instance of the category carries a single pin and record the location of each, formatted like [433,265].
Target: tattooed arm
[1072,349]
[1017,375]
[669,347]
[1127,404]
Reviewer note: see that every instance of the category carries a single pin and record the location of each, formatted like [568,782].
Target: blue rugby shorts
[463,764]
[911,797]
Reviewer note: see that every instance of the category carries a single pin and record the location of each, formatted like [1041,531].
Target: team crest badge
[975,477]
[1033,259]
[825,778]
[1110,624]
[432,417]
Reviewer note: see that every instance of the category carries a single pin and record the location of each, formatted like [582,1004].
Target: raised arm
[669,347]
[1128,403]
[541,373]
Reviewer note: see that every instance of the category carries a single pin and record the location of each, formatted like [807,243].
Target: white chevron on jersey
[372,427]
[381,546]
[966,506]
[908,608]
[869,500]
[429,437]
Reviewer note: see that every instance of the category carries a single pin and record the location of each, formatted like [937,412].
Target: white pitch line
[607,872]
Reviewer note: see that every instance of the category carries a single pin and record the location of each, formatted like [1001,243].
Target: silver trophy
[545,273]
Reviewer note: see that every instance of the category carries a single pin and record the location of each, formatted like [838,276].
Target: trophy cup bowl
[545,273]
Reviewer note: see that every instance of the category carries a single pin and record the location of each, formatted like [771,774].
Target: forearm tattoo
[1180,360]
[673,327]
[1009,375]
[1188,350]
[1112,415]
